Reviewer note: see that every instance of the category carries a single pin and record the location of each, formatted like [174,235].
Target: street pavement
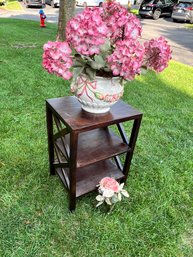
[180,38]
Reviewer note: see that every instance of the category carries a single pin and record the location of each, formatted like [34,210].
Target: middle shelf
[94,146]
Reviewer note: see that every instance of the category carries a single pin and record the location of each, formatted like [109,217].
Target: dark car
[183,11]
[156,8]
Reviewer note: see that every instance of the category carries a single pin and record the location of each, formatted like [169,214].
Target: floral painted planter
[98,95]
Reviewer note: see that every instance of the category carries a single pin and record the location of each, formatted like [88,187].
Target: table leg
[73,167]
[132,142]
[49,119]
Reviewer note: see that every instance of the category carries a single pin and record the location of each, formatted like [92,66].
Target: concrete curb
[2,11]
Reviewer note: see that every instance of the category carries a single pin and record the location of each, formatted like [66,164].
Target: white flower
[110,192]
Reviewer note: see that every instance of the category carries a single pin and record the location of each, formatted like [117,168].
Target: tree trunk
[66,12]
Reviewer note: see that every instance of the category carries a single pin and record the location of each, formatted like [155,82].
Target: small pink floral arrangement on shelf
[110,192]
[105,42]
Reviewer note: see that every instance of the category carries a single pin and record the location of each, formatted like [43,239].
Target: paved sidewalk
[3,11]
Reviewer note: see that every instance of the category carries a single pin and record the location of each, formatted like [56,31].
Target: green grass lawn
[134,11]
[189,26]
[12,6]
[34,218]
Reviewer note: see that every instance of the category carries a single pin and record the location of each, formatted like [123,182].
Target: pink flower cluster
[94,27]
[157,54]
[126,60]
[132,29]
[57,59]
[87,31]
[108,183]
[121,24]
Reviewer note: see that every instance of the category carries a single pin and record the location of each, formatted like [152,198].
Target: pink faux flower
[87,31]
[110,192]
[115,17]
[127,58]
[132,29]
[121,24]
[112,33]
[57,59]
[157,54]
[109,184]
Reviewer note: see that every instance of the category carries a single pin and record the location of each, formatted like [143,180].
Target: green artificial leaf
[94,65]
[114,199]
[76,72]
[107,69]
[125,193]
[98,204]
[77,64]
[106,47]
[100,198]
[87,58]
[121,186]
[81,60]
[123,82]
[119,196]
[90,73]
[100,61]
[107,200]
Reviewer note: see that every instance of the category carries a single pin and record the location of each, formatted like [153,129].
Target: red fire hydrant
[42,19]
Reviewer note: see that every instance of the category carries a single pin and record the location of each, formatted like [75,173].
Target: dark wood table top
[69,110]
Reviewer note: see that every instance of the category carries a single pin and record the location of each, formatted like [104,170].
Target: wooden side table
[83,148]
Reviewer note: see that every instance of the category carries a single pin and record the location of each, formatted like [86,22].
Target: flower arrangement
[105,42]
[110,192]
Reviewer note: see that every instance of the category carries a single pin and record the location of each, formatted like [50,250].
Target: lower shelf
[88,177]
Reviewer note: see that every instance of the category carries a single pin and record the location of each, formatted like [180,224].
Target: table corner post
[132,143]
[49,120]
[73,168]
